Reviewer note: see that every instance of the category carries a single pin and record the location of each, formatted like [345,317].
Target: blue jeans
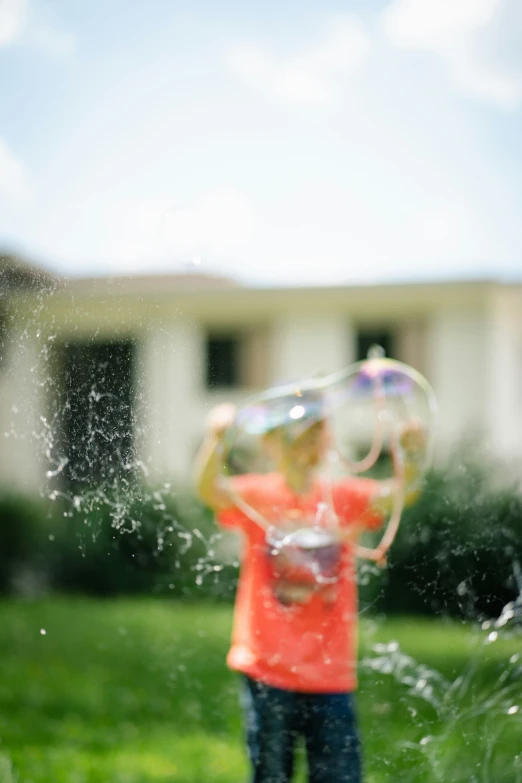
[276,718]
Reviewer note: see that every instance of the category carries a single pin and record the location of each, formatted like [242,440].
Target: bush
[454,553]
[142,542]
[22,541]
[109,544]
[456,549]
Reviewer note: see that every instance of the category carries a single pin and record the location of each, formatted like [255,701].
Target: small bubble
[513,710]
[43,631]
[493,636]
[425,740]
[514,658]
[507,615]
[51,537]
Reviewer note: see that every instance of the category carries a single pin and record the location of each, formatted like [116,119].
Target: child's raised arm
[380,495]
[208,466]
[413,441]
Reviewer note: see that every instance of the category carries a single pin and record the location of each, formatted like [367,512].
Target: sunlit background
[199,201]
[297,142]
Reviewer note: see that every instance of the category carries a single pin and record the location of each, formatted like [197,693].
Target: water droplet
[425,740]
[462,589]
[493,636]
[514,658]
[513,710]
[43,631]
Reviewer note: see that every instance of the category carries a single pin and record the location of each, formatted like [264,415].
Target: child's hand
[220,419]
[413,438]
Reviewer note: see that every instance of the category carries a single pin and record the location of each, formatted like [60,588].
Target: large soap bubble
[371,404]
[382,415]
[292,453]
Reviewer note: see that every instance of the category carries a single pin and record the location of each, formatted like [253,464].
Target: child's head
[303,450]
[297,440]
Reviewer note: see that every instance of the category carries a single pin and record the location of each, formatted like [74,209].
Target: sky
[295,142]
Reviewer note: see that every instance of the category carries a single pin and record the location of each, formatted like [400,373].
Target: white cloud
[49,40]
[478,40]
[310,76]
[24,24]
[13,15]
[161,235]
[15,186]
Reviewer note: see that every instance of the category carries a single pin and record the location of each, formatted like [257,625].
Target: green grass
[137,692]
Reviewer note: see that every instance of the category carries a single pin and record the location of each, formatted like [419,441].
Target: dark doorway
[366,338]
[98,410]
[222,361]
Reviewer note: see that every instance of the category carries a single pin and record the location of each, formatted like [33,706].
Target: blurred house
[93,371]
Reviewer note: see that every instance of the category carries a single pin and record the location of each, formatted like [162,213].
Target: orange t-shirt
[310,647]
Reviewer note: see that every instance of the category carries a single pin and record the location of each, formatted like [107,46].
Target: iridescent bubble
[291,452]
[377,406]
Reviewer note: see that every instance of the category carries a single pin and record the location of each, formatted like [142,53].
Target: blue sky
[294,142]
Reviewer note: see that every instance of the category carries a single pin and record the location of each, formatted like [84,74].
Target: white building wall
[473,358]
[24,429]
[457,367]
[169,405]
[307,345]
[504,381]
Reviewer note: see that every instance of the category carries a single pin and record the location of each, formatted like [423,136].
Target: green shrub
[457,547]
[454,554]
[22,540]
[140,542]
[102,543]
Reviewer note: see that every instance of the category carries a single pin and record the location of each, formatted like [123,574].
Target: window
[223,361]
[238,358]
[383,337]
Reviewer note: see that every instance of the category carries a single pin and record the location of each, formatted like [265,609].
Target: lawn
[137,692]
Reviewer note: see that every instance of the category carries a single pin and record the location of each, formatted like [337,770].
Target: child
[294,638]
